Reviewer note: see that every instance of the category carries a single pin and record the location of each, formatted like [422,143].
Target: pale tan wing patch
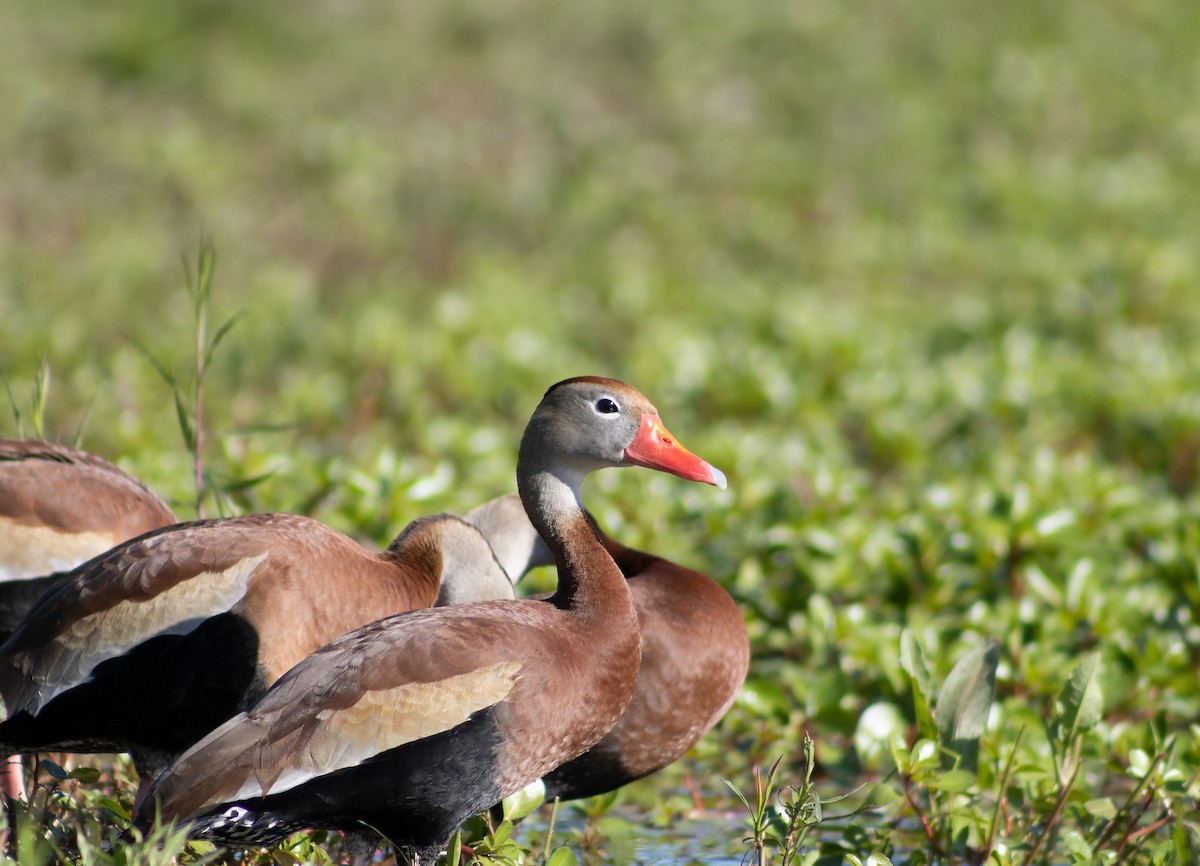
[378,721]
[33,551]
[68,660]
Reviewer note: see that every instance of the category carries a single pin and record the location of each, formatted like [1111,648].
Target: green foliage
[912,657]
[782,819]
[188,393]
[77,816]
[1080,703]
[498,847]
[950,799]
[963,704]
[39,393]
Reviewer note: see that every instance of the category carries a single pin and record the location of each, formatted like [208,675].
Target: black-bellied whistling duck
[410,725]
[695,654]
[59,507]
[150,646]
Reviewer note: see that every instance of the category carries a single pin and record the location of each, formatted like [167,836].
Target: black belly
[416,795]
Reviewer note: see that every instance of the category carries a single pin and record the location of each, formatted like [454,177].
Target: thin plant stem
[199,288]
[198,457]
[1153,827]
[990,842]
[759,842]
[1111,827]
[930,833]
[1059,805]
[1147,802]
[550,830]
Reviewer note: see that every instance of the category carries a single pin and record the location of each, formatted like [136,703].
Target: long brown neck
[588,579]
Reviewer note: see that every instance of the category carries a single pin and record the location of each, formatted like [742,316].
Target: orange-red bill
[655,448]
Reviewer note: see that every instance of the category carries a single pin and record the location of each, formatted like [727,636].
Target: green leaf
[1102,807]
[87,775]
[55,771]
[964,702]
[1078,846]
[454,849]
[1081,702]
[114,805]
[220,335]
[737,792]
[1139,763]
[37,402]
[954,781]
[185,421]
[12,403]
[767,697]
[231,485]
[525,801]
[162,371]
[821,542]
[912,659]
[601,803]
[562,857]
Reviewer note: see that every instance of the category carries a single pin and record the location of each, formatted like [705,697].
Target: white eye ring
[607,406]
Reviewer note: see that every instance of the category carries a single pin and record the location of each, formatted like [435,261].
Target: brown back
[60,507]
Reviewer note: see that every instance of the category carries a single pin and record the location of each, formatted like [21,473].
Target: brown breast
[695,655]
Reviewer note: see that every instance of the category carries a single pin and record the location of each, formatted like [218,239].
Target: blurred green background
[922,278]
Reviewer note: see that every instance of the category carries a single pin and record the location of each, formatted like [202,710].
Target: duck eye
[606,406]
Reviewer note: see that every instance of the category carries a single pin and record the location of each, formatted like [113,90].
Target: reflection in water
[627,836]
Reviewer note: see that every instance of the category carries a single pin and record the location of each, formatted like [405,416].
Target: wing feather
[69,658]
[254,754]
[164,582]
[388,683]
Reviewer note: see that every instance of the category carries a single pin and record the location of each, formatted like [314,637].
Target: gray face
[586,424]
